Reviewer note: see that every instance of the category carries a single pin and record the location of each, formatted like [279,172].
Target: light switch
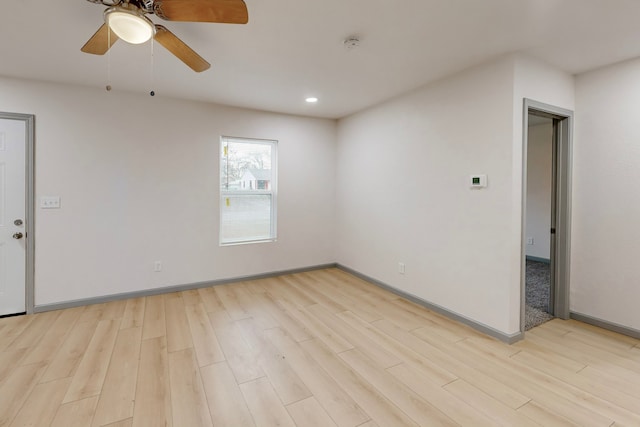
[50,202]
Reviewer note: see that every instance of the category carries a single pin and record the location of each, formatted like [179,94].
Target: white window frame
[272,191]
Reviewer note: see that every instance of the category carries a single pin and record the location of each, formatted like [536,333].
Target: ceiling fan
[126,20]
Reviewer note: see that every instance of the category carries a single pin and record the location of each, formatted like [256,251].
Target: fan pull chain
[152,93]
[109,61]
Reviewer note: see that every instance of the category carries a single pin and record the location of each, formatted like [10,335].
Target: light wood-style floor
[314,349]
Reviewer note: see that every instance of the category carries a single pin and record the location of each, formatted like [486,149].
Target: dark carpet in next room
[537,294]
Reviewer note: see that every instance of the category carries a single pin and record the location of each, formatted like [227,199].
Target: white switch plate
[157,266]
[50,202]
[529,240]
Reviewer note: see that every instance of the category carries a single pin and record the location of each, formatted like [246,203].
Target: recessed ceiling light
[312,100]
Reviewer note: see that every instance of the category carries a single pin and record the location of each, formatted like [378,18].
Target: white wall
[403,193]
[138,178]
[606,206]
[539,183]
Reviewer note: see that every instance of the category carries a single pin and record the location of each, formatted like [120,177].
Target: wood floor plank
[191,297]
[621,397]
[188,400]
[435,372]
[118,392]
[439,323]
[582,351]
[420,411]
[229,300]
[283,288]
[338,404]
[286,382]
[562,400]
[46,348]
[266,408]
[492,408]
[154,323]
[350,300]
[123,423]
[308,412]
[284,319]
[178,330]
[205,341]
[629,386]
[374,349]
[210,300]
[543,416]
[35,330]
[227,406]
[78,413]
[42,404]
[456,409]
[153,393]
[12,327]
[68,357]
[610,340]
[89,377]
[10,360]
[256,286]
[307,284]
[403,318]
[114,310]
[15,390]
[241,357]
[557,359]
[451,363]
[317,327]
[378,407]
[133,315]
[219,318]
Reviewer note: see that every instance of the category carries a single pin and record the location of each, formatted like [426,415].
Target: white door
[12,216]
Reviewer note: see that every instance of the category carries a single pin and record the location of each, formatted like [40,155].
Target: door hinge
[553,231]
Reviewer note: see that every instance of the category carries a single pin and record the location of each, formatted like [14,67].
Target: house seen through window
[247,190]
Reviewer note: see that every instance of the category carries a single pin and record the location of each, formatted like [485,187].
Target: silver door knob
[18,235]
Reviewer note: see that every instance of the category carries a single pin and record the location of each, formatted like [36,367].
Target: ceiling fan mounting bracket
[106,2]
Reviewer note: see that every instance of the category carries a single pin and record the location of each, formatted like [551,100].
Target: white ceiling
[294,48]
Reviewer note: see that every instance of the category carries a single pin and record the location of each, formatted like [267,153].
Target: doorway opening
[546,210]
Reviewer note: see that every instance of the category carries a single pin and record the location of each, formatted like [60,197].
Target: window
[247,190]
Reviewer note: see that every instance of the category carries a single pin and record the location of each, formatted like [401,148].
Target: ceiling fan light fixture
[129,24]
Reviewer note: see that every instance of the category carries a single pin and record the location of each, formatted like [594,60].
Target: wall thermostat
[478,181]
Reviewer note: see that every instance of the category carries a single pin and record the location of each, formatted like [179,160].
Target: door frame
[561,193]
[29,121]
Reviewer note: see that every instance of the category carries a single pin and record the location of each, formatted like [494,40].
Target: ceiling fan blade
[223,11]
[183,52]
[100,42]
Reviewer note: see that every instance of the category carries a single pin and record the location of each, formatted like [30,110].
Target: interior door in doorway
[12,216]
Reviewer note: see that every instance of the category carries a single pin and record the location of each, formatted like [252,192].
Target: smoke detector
[351,42]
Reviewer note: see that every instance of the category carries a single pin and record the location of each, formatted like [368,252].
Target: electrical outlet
[157,266]
[401,267]
[529,240]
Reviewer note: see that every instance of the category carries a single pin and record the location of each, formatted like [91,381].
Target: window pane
[245,218]
[246,166]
